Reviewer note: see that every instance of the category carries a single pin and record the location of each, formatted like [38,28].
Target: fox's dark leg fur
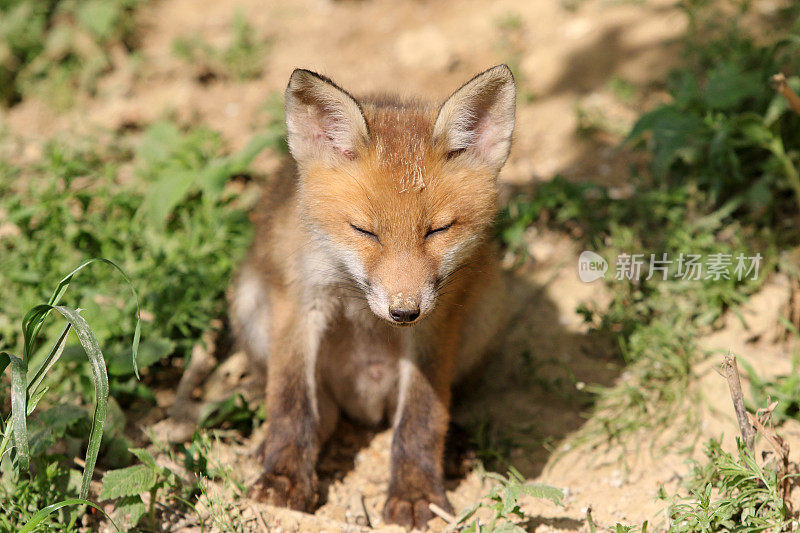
[418,442]
[293,439]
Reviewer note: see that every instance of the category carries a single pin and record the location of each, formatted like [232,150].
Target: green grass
[726,130]
[55,48]
[654,322]
[720,181]
[730,492]
[176,225]
[241,59]
[25,397]
[171,208]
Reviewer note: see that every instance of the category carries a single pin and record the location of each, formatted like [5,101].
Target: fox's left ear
[323,121]
[478,119]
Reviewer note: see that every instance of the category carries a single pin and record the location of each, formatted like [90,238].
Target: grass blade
[50,360]
[32,323]
[31,398]
[42,514]
[100,380]
[33,401]
[16,426]
[19,401]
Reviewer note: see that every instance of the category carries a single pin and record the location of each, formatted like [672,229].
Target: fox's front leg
[292,441]
[418,443]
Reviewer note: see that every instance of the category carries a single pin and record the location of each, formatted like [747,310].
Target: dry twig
[366,513]
[782,451]
[260,519]
[441,513]
[749,424]
[735,385]
[782,87]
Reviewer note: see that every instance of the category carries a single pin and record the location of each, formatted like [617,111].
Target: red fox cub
[372,284]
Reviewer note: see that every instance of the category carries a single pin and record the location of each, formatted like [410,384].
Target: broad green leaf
[99,17]
[163,196]
[728,86]
[543,492]
[145,457]
[129,481]
[212,180]
[675,135]
[158,143]
[61,417]
[129,511]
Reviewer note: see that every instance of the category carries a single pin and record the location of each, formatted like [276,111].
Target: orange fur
[384,225]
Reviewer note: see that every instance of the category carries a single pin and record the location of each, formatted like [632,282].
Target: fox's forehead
[401,134]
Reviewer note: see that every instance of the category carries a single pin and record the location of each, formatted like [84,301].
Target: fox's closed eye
[364,232]
[440,229]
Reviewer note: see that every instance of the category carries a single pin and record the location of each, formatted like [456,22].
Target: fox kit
[371,284]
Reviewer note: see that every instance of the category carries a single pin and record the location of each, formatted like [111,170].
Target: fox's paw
[296,491]
[413,511]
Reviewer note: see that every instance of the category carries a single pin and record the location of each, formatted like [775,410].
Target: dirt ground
[565,58]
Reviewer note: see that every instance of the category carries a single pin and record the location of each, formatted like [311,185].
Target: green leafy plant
[182,477]
[126,485]
[232,412]
[26,395]
[720,181]
[72,204]
[503,501]
[241,59]
[57,47]
[181,244]
[730,492]
[726,130]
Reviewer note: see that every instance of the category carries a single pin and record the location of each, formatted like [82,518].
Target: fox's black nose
[404,314]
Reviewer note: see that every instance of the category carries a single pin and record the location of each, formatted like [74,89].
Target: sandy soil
[564,58]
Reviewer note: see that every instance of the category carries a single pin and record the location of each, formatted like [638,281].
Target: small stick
[366,513]
[782,87]
[81,463]
[735,385]
[441,513]
[782,450]
[780,447]
[260,519]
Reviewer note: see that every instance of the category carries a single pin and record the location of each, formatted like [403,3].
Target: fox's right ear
[323,121]
[478,119]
